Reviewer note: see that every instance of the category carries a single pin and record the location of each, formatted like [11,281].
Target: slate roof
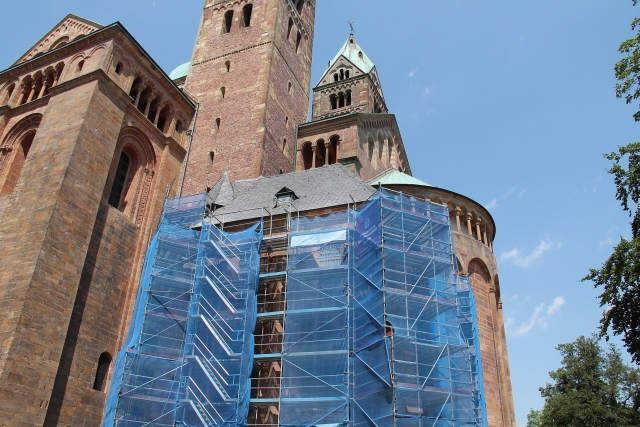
[317,188]
[222,193]
[395,177]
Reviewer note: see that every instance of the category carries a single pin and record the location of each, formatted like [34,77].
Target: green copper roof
[354,53]
[395,177]
[180,71]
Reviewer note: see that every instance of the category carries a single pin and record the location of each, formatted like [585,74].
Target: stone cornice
[111,32]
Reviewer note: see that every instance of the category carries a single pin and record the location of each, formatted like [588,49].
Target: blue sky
[510,103]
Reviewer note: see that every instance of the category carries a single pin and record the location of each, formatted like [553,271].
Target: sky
[509,103]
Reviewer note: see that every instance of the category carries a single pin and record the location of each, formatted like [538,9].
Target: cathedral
[101,152]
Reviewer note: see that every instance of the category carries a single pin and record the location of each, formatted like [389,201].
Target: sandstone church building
[95,137]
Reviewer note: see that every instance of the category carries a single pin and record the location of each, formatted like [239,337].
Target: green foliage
[620,274]
[628,69]
[591,389]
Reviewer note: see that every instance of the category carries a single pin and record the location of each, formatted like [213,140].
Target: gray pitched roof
[222,193]
[318,188]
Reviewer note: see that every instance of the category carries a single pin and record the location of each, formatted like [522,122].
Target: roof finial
[351,24]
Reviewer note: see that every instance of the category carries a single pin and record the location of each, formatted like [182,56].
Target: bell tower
[250,75]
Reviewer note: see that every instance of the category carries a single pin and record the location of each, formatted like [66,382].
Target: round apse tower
[473,231]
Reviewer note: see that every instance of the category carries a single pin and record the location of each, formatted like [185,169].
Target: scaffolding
[358,318]
[188,355]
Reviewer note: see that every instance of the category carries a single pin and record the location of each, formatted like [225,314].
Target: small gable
[69,29]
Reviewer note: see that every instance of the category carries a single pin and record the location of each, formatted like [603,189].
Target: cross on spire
[351,24]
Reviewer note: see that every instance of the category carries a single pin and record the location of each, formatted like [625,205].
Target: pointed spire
[354,53]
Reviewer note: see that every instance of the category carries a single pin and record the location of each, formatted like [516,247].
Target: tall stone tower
[250,74]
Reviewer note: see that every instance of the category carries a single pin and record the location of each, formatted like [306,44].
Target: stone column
[160,107]
[313,156]
[152,97]
[478,221]
[484,235]
[32,91]
[469,216]
[337,150]
[43,88]
[326,153]
[458,212]
[141,89]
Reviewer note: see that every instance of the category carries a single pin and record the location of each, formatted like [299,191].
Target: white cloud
[540,317]
[413,72]
[492,204]
[518,257]
[521,193]
[509,192]
[609,238]
[427,91]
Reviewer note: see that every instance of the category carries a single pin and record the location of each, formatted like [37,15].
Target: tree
[620,274]
[591,389]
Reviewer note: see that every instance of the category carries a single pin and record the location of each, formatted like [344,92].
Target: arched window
[19,159]
[7,94]
[48,83]
[340,100]
[298,42]
[228,20]
[131,174]
[289,87]
[223,91]
[334,102]
[289,28]
[307,155]
[134,87]
[59,69]
[333,149]
[153,109]
[119,68]
[300,6]
[341,74]
[227,65]
[335,77]
[320,153]
[179,129]
[101,373]
[246,15]
[163,119]
[119,180]
[346,74]
[27,87]
[218,123]
[284,145]
[348,101]
[80,65]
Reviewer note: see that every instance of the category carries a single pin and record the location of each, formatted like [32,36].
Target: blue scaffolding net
[363,322]
[188,354]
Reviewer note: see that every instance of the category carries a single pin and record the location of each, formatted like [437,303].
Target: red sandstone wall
[257,100]
[71,263]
